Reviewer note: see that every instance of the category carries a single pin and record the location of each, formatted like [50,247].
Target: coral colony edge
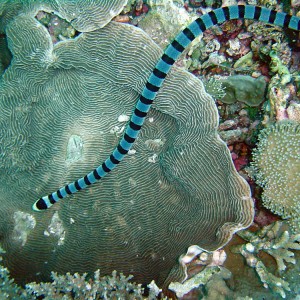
[175,199]
[155,81]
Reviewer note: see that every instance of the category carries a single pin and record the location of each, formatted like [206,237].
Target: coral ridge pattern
[60,115]
[156,80]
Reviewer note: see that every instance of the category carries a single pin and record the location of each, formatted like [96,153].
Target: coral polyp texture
[276,163]
[63,109]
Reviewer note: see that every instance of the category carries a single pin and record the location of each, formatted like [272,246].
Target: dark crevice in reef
[293,39]
[5,54]
[58,28]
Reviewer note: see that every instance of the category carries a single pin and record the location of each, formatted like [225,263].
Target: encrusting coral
[61,108]
[293,112]
[245,89]
[276,167]
[165,19]
[210,262]
[199,279]
[275,241]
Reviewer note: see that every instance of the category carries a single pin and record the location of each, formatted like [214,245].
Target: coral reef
[245,89]
[278,243]
[281,84]
[60,105]
[199,279]
[278,97]
[8,288]
[58,28]
[293,112]
[276,167]
[76,286]
[83,16]
[197,256]
[215,88]
[165,19]
[216,287]
[277,66]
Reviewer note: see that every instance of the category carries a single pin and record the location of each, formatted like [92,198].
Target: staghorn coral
[8,288]
[60,106]
[278,243]
[276,167]
[216,288]
[75,286]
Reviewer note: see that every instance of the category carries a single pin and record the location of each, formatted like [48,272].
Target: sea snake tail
[155,81]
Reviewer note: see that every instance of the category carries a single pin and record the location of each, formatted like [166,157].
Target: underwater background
[206,205]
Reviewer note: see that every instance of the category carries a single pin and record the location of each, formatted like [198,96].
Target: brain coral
[84,15]
[276,162]
[60,108]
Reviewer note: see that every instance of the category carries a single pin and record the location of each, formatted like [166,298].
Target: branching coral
[78,286]
[75,286]
[278,243]
[276,164]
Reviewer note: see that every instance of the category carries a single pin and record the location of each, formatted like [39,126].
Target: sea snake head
[42,204]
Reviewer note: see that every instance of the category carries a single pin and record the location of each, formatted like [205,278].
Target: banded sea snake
[155,81]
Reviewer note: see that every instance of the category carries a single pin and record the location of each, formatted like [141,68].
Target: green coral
[245,89]
[215,88]
[277,242]
[276,166]
[278,67]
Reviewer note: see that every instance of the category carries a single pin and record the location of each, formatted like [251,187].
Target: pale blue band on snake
[155,81]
